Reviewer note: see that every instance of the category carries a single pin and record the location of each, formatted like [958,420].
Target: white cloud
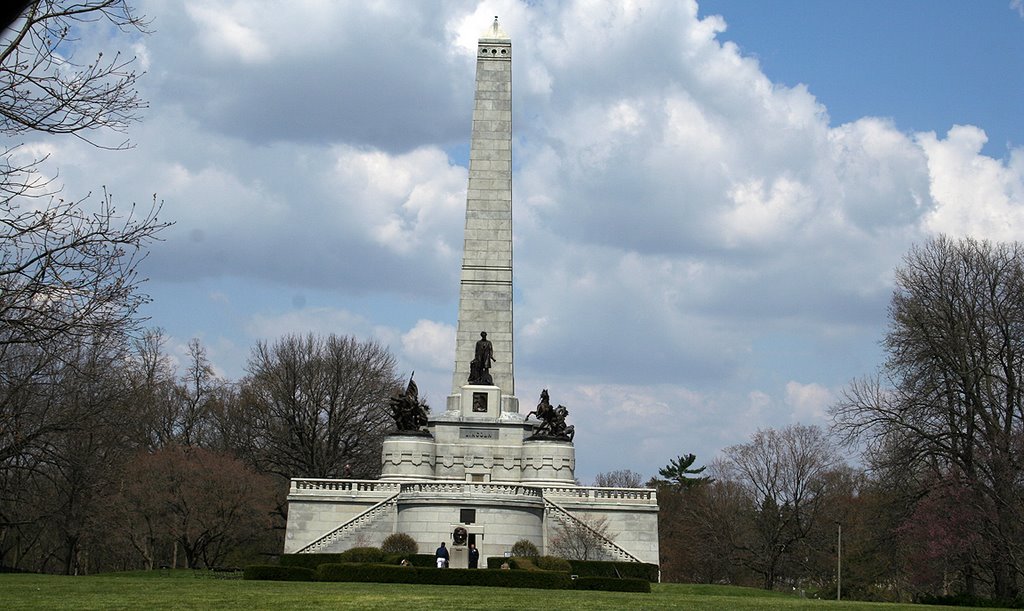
[223,31]
[431,343]
[974,194]
[408,203]
[766,214]
[809,402]
[688,233]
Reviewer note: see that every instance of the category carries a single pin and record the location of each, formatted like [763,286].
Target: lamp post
[839,562]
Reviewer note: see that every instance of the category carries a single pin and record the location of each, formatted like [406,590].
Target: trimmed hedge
[582,568]
[597,568]
[966,600]
[386,573]
[278,573]
[311,561]
[362,554]
[553,563]
[532,577]
[611,584]
[515,563]
[424,560]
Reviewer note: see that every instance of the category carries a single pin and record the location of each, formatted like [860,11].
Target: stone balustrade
[313,485]
[594,494]
[471,488]
[573,493]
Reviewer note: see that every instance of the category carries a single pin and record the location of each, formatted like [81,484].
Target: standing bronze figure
[480,366]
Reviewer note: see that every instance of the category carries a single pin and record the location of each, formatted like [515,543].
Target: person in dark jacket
[441,555]
[474,556]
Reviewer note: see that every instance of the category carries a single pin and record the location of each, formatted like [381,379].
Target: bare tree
[68,270]
[207,502]
[951,397]
[152,381]
[65,269]
[45,88]
[199,388]
[581,538]
[620,478]
[320,403]
[781,473]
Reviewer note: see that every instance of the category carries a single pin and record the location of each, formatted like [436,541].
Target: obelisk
[485,300]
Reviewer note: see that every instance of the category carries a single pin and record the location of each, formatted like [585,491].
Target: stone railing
[581,494]
[470,488]
[334,486]
[615,550]
[371,514]
[570,494]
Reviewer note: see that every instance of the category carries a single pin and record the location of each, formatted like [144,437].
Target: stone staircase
[370,515]
[567,518]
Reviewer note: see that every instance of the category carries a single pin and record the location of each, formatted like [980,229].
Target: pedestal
[458,557]
[548,462]
[479,401]
[408,456]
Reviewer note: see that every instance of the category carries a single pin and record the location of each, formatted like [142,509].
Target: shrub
[597,568]
[424,560]
[399,543]
[310,561]
[362,554]
[553,563]
[278,573]
[524,548]
[516,564]
[610,584]
[359,572]
[522,564]
[967,600]
[385,573]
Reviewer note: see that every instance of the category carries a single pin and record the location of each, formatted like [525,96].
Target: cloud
[809,402]
[377,74]
[691,237]
[974,194]
[318,320]
[224,31]
[431,343]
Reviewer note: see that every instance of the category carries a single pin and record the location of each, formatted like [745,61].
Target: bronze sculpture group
[552,420]
[409,412]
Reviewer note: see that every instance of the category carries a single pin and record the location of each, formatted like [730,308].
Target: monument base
[479,401]
[548,461]
[408,456]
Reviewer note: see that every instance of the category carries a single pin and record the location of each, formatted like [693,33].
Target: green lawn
[185,590]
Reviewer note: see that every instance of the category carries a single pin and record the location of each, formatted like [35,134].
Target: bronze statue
[480,366]
[409,412]
[552,420]
[544,408]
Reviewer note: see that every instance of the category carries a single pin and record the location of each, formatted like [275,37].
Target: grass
[198,590]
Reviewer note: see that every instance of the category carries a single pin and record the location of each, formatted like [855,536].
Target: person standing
[441,556]
[474,556]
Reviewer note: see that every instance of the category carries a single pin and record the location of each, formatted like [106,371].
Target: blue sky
[927,64]
[709,201]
